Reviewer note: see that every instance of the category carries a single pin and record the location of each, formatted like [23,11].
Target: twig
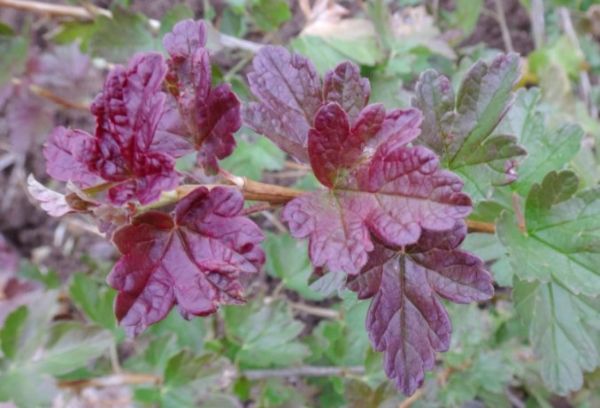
[139,379]
[275,221]
[412,399]
[584,78]
[112,381]
[503,26]
[304,371]
[480,226]
[82,13]
[253,209]
[53,10]
[316,311]
[537,22]
[51,96]
[114,359]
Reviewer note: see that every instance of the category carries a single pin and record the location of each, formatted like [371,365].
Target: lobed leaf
[210,115]
[378,186]
[462,129]
[345,86]
[289,94]
[194,258]
[561,243]
[564,331]
[406,319]
[121,152]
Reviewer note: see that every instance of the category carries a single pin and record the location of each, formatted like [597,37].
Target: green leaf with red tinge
[462,129]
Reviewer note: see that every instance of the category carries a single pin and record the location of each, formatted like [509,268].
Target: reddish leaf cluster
[141,130]
[149,113]
[389,217]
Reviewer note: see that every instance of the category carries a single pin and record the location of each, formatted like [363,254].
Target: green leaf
[193,380]
[185,367]
[95,299]
[562,241]
[564,330]
[482,100]
[48,278]
[287,259]
[462,129]
[27,388]
[12,330]
[71,346]
[342,342]
[252,158]
[116,39]
[270,14]
[188,333]
[14,54]
[548,150]
[173,16]
[267,334]
[467,14]
[322,55]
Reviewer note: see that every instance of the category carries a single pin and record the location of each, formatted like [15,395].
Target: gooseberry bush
[387,221]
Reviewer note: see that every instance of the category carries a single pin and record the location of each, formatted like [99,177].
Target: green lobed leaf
[462,129]
[287,259]
[71,346]
[14,53]
[252,158]
[270,14]
[267,334]
[562,242]
[564,330]
[96,300]
[12,330]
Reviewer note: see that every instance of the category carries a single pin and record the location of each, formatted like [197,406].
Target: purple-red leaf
[406,319]
[122,151]
[289,94]
[193,258]
[345,86]
[53,202]
[211,115]
[378,186]
[67,153]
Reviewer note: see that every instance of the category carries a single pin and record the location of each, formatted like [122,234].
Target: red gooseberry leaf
[289,94]
[210,115]
[377,185]
[122,151]
[193,258]
[345,86]
[406,319]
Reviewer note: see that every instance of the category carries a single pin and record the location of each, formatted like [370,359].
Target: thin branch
[584,78]
[53,10]
[407,403]
[112,381]
[316,311]
[503,26]
[537,23]
[304,371]
[253,209]
[51,96]
[140,379]
[480,226]
[83,13]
